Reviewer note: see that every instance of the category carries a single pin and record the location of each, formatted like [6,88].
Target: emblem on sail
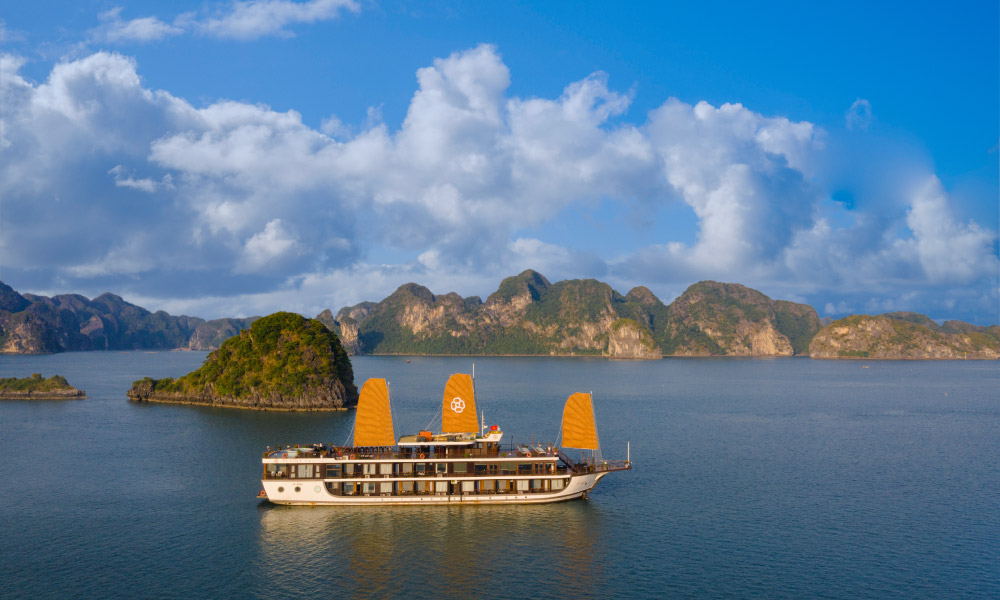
[459,405]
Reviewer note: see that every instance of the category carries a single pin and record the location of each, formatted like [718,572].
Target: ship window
[421,468]
[407,467]
[557,484]
[371,488]
[536,484]
[333,470]
[369,468]
[405,487]
[480,469]
[349,469]
[385,468]
[349,488]
[333,487]
[441,487]
[304,471]
[468,487]
[442,467]
[524,467]
[522,485]
[460,467]
[508,467]
[280,489]
[386,488]
[298,489]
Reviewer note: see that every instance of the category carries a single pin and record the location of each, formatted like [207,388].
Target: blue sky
[235,158]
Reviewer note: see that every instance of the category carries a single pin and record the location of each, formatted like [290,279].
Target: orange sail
[458,414]
[579,429]
[373,421]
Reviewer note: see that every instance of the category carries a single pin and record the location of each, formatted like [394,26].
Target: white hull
[314,493]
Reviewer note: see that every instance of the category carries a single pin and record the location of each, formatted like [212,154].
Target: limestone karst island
[37,387]
[282,362]
[527,315]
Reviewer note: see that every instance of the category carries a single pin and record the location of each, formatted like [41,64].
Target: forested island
[37,387]
[282,362]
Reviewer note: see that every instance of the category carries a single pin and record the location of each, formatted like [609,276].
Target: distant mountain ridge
[31,324]
[528,315]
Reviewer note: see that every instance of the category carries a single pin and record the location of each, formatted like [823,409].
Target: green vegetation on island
[37,387]
[282,362]
[904,336]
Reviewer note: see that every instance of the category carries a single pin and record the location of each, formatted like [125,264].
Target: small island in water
[37,387]
[282,362]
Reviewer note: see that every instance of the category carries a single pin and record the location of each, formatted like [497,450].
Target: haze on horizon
[238,158]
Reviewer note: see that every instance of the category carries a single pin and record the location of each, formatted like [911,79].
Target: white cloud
[259,18]
[268,248]
[144,29]
[243,198]
[239,20]
[118,172]
[859,116]
[949,252]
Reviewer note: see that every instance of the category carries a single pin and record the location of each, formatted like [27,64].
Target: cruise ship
[466,463]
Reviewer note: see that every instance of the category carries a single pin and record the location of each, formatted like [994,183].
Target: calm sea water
[753,478]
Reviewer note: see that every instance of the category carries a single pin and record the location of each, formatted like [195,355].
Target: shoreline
[150,400]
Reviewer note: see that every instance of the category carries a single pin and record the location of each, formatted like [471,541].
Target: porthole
[280,489]
[316,489]
[298,489]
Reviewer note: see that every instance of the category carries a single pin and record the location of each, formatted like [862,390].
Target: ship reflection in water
[458,551]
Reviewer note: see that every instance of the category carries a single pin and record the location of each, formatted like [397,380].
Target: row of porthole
[297,489]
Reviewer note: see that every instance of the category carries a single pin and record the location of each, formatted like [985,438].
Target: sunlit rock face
[902,336]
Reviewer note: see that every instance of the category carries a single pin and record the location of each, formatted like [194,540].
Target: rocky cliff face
[729,319]
[911,336]
[282,362]
[628,339]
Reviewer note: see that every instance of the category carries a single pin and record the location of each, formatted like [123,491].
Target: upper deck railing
[512,451]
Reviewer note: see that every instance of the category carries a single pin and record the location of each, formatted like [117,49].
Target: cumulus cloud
[949,252]
[239,202]
[268,248]
[144,29]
